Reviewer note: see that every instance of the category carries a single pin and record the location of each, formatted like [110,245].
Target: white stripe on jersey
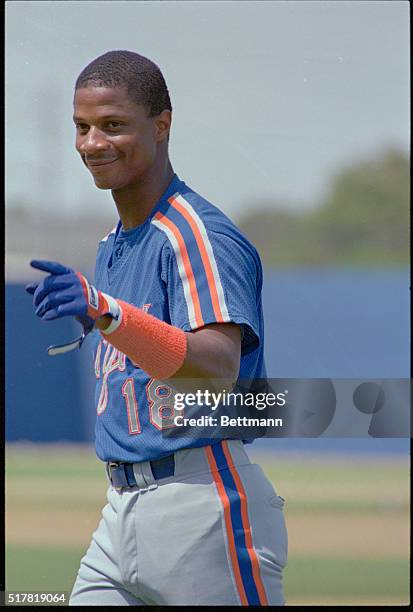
[197,219]
[110,233]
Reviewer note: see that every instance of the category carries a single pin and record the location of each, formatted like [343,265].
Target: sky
[270,99]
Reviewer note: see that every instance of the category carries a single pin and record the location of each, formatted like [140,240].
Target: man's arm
[162,350]
[213,352]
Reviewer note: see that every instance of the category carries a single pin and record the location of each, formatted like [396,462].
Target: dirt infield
[51,528]
[364,536]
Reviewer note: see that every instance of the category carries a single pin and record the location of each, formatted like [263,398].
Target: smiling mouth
[97,163]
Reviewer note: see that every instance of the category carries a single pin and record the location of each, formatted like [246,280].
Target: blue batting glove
[86,321]
[66,292]
[59,294]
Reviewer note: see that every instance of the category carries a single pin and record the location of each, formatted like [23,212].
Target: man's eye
[113,124]
[81,127]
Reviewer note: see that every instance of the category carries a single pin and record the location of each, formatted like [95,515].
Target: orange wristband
[153,345]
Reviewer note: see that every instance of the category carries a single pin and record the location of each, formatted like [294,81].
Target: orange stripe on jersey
[187,265]
[228,524]
[246,525]
[204,255]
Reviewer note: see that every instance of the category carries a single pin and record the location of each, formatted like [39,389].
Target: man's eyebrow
[103,117]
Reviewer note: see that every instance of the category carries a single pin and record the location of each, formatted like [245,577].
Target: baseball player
[176,296]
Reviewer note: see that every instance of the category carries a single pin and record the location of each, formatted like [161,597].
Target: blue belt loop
[163,468]
[130,476]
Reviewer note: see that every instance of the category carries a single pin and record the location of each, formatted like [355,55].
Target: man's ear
[163,125]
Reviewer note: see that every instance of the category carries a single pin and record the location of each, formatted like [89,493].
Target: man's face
[115,138]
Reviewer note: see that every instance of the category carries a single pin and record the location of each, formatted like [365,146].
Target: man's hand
[68,293]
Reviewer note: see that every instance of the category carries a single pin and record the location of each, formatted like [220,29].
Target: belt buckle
[109,465]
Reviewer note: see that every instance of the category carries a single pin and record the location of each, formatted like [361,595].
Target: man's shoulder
[197,205]
[194,214]
[195,228]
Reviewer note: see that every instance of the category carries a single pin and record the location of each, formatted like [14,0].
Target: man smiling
[176,295]
[134,145]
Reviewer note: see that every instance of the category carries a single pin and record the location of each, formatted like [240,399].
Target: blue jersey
[187,265]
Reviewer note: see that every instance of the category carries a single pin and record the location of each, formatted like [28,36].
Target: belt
[121,474]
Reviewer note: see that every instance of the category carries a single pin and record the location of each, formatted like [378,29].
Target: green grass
[338,471]
[37,569]
[347,578]
[52,462]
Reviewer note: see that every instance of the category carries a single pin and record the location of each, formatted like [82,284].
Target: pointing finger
[52,267]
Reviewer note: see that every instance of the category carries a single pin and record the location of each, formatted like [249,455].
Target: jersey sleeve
[215,280]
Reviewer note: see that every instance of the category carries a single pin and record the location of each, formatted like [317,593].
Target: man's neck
[136,202]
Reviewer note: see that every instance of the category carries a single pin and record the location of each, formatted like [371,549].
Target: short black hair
[141,77]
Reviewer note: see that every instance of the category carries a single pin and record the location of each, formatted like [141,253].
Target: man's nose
[94,141]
